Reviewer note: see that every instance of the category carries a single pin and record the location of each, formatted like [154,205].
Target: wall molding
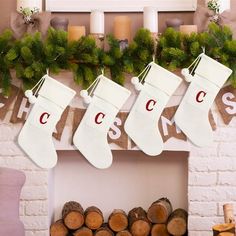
[119,5]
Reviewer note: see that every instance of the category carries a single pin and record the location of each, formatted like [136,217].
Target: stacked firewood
[159,220]
[228,228]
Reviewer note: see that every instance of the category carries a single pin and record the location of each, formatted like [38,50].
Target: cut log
[159,211]
[103,231]
[159,230]
[73,215]
[226,234]
[177,222]
[139,224]
[118,220]
[229,213]
[58,229]
[93,217]
[84,231]
[124,233]
[223,228]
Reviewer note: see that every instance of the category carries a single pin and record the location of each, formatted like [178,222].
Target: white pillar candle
[150,21]
[29,4]
[97,22]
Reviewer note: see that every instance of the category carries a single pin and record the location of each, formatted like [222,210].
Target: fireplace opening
[133,180]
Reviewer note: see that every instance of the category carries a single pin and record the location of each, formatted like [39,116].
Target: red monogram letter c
[99,117]
[150,105]
[43,118]
[200,96]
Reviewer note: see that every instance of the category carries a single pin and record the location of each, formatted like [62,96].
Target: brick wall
[212,175]
[34,198]
[212,179]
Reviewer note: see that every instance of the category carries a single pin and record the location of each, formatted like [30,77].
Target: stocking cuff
[213,71]
[56,92]
[111,92]
[162,79]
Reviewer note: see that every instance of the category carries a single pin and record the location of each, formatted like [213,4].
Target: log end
[124,233]
[223,228]
[140,228]
[118,222]
[159,230]
[103,231]
[84,231]
[157,214]
[177,226]
[74,220]
[226,234]
[94,220]
[58,229]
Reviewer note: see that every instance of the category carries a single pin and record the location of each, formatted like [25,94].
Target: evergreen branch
[31,55]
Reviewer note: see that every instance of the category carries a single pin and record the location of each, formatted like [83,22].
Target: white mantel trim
[119,5]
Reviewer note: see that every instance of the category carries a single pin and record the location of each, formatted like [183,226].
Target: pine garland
[31,56]
[6,43]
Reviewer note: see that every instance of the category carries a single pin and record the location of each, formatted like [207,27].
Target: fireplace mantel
[211,170]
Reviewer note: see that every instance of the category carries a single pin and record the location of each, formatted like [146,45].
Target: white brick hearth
[211,180]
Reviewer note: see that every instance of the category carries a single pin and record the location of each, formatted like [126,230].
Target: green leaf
[27,55]
[29,72]
[11,55]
